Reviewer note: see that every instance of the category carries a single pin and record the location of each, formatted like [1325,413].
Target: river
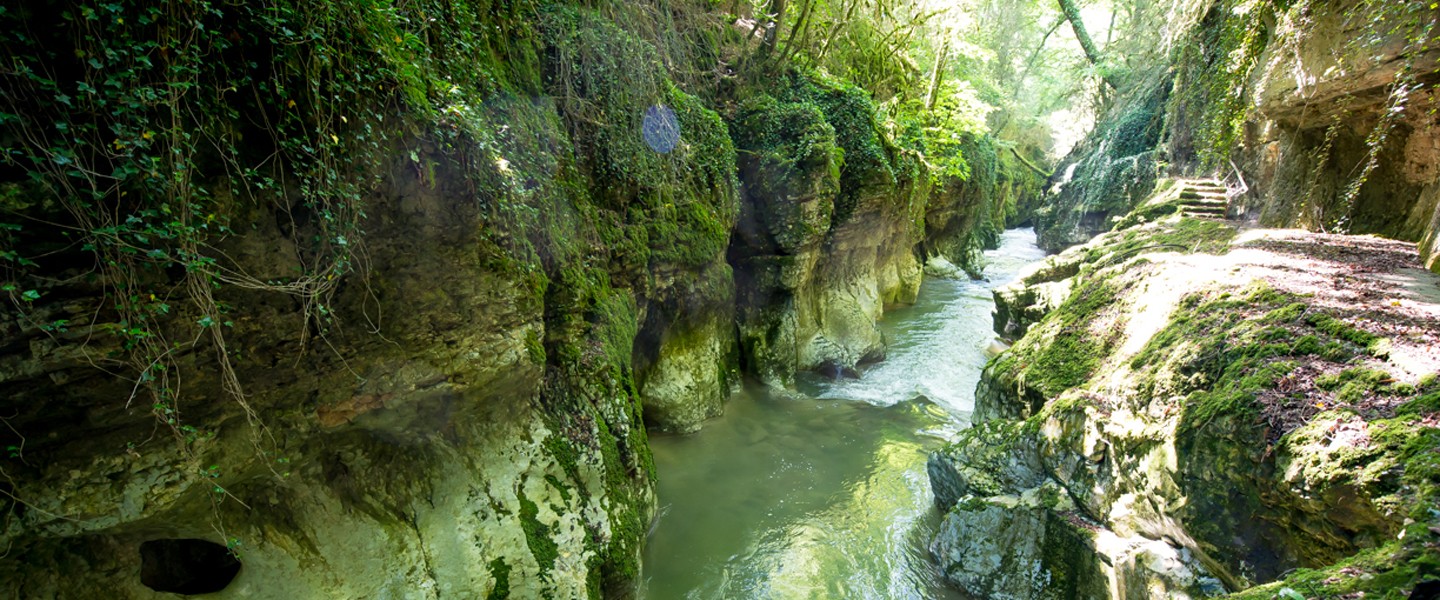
[822,492]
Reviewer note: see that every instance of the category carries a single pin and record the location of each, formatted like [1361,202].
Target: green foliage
[850,112]
[939,134]
[605,80]
[867,42]
[1211,89]
[147,132]
[791,135]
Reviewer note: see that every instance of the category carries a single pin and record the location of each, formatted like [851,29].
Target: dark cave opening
[186,566]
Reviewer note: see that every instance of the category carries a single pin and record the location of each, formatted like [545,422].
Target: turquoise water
[822,492]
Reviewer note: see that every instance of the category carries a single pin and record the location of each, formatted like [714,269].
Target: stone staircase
[1204,198]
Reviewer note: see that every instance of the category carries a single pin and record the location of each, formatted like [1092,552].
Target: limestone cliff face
[543,266]
[1336,82]
[1318,112]
[824,243]
[461,417]
[443,454]
[687,355]
[1164,414]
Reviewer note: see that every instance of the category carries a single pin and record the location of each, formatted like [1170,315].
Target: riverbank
[1195,409]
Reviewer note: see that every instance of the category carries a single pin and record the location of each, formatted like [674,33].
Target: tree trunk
[1037,170]
[937,76]
[1072,12]
[777,18]
[835,32]
[798,31]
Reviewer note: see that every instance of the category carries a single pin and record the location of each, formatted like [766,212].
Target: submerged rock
[944,269]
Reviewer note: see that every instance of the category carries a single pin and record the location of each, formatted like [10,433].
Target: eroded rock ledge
[1259,407]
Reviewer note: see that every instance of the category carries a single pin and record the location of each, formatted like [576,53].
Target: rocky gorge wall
[826,234]
[1194,411]
[525,284]
[1322,112]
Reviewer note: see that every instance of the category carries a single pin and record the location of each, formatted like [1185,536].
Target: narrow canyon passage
[822,493]
[682,299]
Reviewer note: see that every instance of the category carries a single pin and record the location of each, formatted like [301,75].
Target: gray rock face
[988,460]
[1021,547]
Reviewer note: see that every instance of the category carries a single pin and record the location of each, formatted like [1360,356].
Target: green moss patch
[537,536]
[679,206]
[1062,351]
[500,572]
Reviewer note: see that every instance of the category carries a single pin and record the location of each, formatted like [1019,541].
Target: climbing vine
[1415,23]
[141,141]
[1212,88]
[142,145]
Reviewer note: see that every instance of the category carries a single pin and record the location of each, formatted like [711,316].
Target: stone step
[1220,203]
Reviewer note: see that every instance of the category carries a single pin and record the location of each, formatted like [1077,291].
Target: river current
[822,492]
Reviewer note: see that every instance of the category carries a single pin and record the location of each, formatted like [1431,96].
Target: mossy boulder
[987,460]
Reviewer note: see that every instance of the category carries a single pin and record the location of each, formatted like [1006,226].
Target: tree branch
[1072,13]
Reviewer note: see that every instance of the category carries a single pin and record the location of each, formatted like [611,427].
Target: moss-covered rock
[463,414]
[826,231]
[1198,387]
[989,459]
[1111,172]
